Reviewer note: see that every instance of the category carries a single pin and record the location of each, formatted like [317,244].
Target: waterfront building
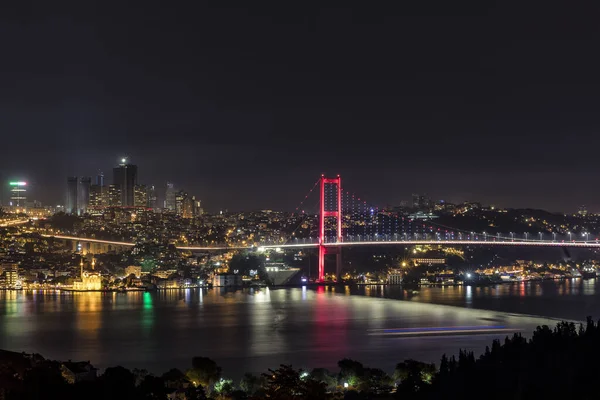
[88,280]
[231,280]
[394,277]
[136,270]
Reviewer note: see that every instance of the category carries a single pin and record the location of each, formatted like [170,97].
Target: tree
[224,387]
[152,387]
[204,372]
[118,382]
[350,371]
[285,383]
[251,383]
[323,375]
[413,375]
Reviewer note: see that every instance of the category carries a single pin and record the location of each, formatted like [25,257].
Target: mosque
[88,280]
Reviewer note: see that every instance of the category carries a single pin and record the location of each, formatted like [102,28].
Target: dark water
[254,330]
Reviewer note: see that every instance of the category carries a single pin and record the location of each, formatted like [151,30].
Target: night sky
[246,107]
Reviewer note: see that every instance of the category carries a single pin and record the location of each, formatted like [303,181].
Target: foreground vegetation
[554,363]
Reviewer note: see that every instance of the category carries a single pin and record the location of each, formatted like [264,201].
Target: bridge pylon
[331,209]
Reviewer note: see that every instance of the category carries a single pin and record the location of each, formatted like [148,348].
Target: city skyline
[468,102]
[160,192]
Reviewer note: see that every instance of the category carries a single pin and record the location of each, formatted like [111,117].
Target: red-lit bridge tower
[327,213]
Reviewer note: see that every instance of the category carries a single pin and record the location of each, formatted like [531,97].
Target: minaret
[81,267]
[93,263]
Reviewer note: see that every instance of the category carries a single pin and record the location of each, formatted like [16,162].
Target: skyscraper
[100,179]
[71,200]
[152,197]
[179,198]
[17,193]
[125,178]
[170,203]
[83,194]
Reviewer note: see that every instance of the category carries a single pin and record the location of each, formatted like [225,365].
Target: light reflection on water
[256,329]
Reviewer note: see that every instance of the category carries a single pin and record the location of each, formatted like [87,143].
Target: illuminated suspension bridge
[347,220]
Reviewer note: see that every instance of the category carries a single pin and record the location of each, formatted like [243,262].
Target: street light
[512,236]
[569,233]
[526,235]
[541,236]
[554,236]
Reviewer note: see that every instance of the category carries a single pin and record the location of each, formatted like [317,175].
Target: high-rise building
[421,202]
[97,196]
[125,177]
[17,193]
[199,210]
[152,197]
[140,196]
[114,196]
[170,193]
[100,179]
[72,191]
[188,207]
[11,273]
[179,198]
[83,194]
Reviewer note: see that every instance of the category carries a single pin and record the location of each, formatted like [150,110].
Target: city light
[17,183]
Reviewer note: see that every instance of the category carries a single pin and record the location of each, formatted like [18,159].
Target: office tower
[83,194]
[114,196]
[100,179]
[72,191]
[170,197]
[179,197]
[125,178]
[140,196]
[152,197]
[17,193]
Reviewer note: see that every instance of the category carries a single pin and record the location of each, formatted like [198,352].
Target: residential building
[140,196]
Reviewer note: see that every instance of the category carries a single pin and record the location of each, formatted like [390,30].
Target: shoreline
[307,285]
